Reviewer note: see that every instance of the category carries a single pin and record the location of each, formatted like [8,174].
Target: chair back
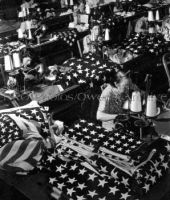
[166,64]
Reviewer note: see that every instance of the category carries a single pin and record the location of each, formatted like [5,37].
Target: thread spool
[28,24]
[150,16]
[88,10]
[151,30]
[157,18]
[8,63]
[151,107]
[71,3]
[20,34]
[136,102]
[107,36]
[29,34]
[16,60]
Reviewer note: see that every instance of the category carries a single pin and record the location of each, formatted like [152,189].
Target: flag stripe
[10,150]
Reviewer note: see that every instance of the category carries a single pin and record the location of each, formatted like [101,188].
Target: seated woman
[113,98]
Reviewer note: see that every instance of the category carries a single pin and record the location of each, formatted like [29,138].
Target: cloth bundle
[91,163]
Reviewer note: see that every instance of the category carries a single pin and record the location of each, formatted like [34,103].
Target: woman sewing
[113,98]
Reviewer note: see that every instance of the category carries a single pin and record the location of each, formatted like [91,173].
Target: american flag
[90,69]
[21,144]
[140,44]
[87,163]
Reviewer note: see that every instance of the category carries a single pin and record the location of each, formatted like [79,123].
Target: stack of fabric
[92,163]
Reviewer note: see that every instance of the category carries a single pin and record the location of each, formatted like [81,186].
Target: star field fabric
[90,69]
[20,150]
[34,113]
[91,163]
[68,36]
[79,181]
[140,44]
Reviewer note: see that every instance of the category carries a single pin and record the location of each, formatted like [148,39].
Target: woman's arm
[102,116]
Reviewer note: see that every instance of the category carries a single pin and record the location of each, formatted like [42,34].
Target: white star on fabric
[153,179]
[81,198]
[96,139]
[71,130]
[45,130]
[59,169]
[123,137]
[97,78]
[82,141]
[146,187]
[162,157]
[159,172]
[106,143]
[117,134]
[81,186]
[79,133]
[91,124]
[11,124]
[74,137]
[103,169]
[71,64]
[101,135]
[111,139]
[112,146]
[34,111]
[92,177]
[82,120]
[85,129]
[168,147]
[165,165]
[113,190]
[92,193]
[93,132]
[98,127]
[147,176]
[125,196]
[82,171]
[60,185]
[125,181]
[97,63]
[91,84]
[50,159]
[73,167]
[52,180]
[71,180]
[80,71]
[114,174]
[131,140]
[75,75]
[38,118]
[119,149]
[81,81]
[127,151]
[77,126]
[69,77]
[3,130]
[102,183]
[63,176]
[118,142]
[87,136]
[70,191]
[86,69]
[125,145]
